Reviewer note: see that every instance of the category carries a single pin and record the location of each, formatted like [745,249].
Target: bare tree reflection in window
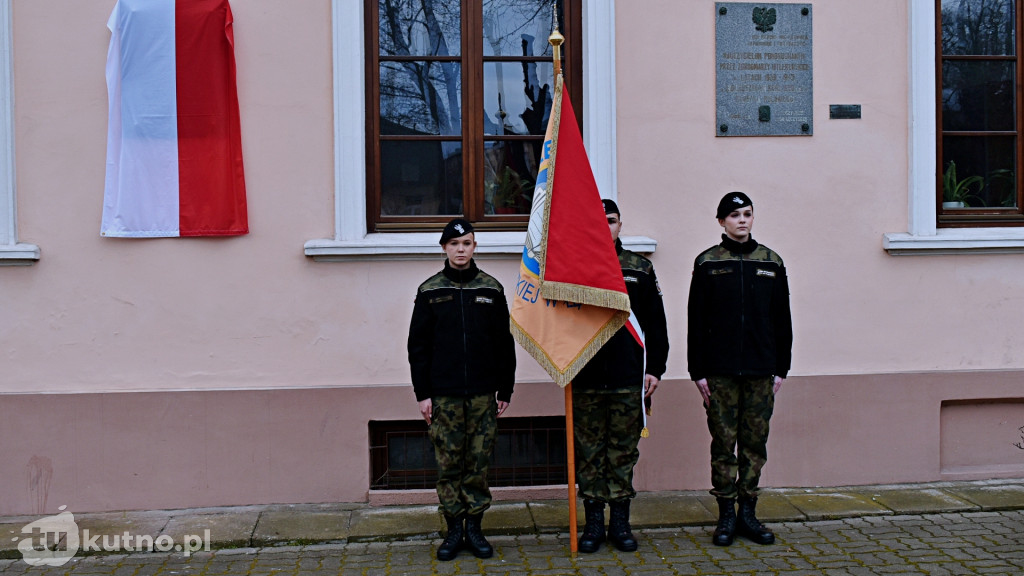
[421,96]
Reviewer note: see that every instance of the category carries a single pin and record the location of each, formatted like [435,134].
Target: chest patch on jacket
[439,299]
[631,279]
[766,273]
[484,300]
[718,271]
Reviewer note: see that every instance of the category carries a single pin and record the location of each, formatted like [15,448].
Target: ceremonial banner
[174,148]
[570,297]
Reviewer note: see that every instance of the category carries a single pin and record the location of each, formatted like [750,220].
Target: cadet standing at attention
[608,403]
[462,358]
[739,348]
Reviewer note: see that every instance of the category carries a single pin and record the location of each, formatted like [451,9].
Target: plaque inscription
[763,69]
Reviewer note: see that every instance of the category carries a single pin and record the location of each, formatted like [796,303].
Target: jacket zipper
[465,342]
[743,307]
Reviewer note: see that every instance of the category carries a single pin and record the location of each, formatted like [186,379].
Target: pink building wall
[196,372]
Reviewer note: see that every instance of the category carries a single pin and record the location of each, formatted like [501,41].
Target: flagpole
[556,40]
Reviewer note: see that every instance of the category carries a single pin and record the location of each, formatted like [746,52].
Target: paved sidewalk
[940,528]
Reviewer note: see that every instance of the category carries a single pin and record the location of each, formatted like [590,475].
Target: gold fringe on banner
[578,294]
[563,376]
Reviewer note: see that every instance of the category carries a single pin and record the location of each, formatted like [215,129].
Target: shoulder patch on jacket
[485,280]
[434,282]
[766,254]
[630,260]
[714,254]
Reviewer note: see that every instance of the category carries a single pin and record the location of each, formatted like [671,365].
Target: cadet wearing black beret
[739,349]
[463,361]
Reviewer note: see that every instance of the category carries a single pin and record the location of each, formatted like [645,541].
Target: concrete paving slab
[775,507]
[374,524]
[830,506]
[991,497]
[221,529]
[508,519]
[10,535]
[668,509]
[553,516]
[910,501]
[771,507]
[298,525]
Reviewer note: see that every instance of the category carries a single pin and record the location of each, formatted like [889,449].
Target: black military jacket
[739,320]
[460,343]
[619,364]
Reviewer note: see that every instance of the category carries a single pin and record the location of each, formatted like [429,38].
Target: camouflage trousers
[463,431]
[738,416]
[606,430]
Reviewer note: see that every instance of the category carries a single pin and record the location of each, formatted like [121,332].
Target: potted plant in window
[956,191]
[511,192]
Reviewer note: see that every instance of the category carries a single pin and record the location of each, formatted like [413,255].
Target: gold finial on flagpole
[556,38]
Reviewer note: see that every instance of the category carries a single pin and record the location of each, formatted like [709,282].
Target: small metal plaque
[844,111]
[764,71]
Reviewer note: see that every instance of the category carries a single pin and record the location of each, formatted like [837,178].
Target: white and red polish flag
[174,147]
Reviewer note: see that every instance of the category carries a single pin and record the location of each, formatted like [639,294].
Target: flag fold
[174,147]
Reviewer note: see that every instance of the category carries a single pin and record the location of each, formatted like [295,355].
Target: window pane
[979,171]
[420,178]
[510,172]
[517,97]
[978,27]
[420,98]
[518,27]
[420,27]
[978,95]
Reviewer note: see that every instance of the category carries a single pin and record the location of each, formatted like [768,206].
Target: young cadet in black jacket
[739,347]
[462,358]
[607,397]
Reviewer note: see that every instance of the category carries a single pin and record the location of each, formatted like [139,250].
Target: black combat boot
[453,542]
[619,532]
[749,526]
[726,529]
[593,531]
[475,540]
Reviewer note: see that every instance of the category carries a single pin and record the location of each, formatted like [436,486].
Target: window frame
[923,236]
[979,217]
[351,239]
[471,58]
[12,252]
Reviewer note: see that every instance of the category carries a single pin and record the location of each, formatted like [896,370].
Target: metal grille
[527,452]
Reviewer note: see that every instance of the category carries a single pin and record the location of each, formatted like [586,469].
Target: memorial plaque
[763,69]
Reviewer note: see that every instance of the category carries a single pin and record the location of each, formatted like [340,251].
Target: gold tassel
[644,433]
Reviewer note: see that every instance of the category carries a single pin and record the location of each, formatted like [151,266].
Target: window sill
[19,254]
[423,245]
[956,241]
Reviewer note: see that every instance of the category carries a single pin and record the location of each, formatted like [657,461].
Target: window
[11,251]
[353,239]
[923,236]
[979,151]
[527,452]
[458,97]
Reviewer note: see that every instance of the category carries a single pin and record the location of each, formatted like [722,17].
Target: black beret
[732,201]
[610,207]
[454,229]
